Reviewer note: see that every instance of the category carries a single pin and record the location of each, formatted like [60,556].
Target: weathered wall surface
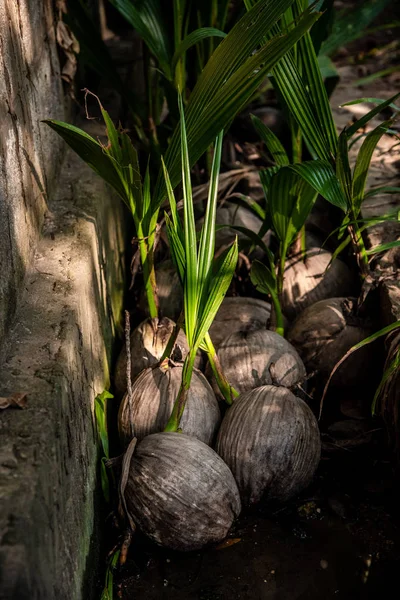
[59,354]
[61,293]
[30,90]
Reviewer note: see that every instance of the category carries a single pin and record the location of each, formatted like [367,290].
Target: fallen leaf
[17,400]
[228,543]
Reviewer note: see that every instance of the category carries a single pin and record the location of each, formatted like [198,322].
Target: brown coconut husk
[153,396]
[239,314]
[309,280]
[250,359]
[231,213]
[322,335]
[179,492]
[147,344]
[270,441]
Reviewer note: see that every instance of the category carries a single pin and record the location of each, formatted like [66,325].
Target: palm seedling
[292,188]
[235,70]
[205,281]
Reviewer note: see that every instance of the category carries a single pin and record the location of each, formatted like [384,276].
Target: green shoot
[205,281]
[108,591]
[100,410]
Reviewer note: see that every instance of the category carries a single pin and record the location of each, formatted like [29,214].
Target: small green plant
[235,70]
[298,80]
[205,281]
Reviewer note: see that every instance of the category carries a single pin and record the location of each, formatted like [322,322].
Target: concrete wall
[61,295]
[30,90]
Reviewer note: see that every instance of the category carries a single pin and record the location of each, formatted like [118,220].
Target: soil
[340,539]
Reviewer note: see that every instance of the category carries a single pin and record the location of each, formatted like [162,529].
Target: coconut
[180,492]
[153,396]
[307,281]
[239,314]
[147,344]
[324,332]
[253,358]
[240,216]
[169,291]
[270,441]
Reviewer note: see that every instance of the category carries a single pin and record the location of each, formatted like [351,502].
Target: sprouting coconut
[147,344]
[153,395]
[179,491]
[250,359]
[270,440]
[169,291]
[239,314]
[322,335]
[307,281]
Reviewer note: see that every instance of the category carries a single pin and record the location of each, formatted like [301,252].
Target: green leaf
[350,24]
[368,340]
[273,144]
[351,130]
[253,237]
[228,81]
[291,200]
[389,372]
[177,249]
[369,101]
[108,591]
[362,164]
[147,17]
[315,85]
[339,249]
[383,247]
[266,176]
[100,410]
[343,171]
[327,67]
[207,238]
[320,175]
[377,75]
[190,243]
[92,153]
[263,279]
[193,38]
[249,203]
[382,189]
[224,270]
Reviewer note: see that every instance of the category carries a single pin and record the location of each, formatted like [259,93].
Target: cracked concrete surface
[59,353]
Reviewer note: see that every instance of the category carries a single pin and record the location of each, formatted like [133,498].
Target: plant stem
[173,338]
[359,249]
[149,275]
[228,392]
[276,312]
[277,322]
[180,402]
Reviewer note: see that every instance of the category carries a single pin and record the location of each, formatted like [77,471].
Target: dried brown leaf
[17,400]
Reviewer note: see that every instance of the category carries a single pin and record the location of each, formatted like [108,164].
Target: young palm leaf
[228,81]
[205,281]
[117,163]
